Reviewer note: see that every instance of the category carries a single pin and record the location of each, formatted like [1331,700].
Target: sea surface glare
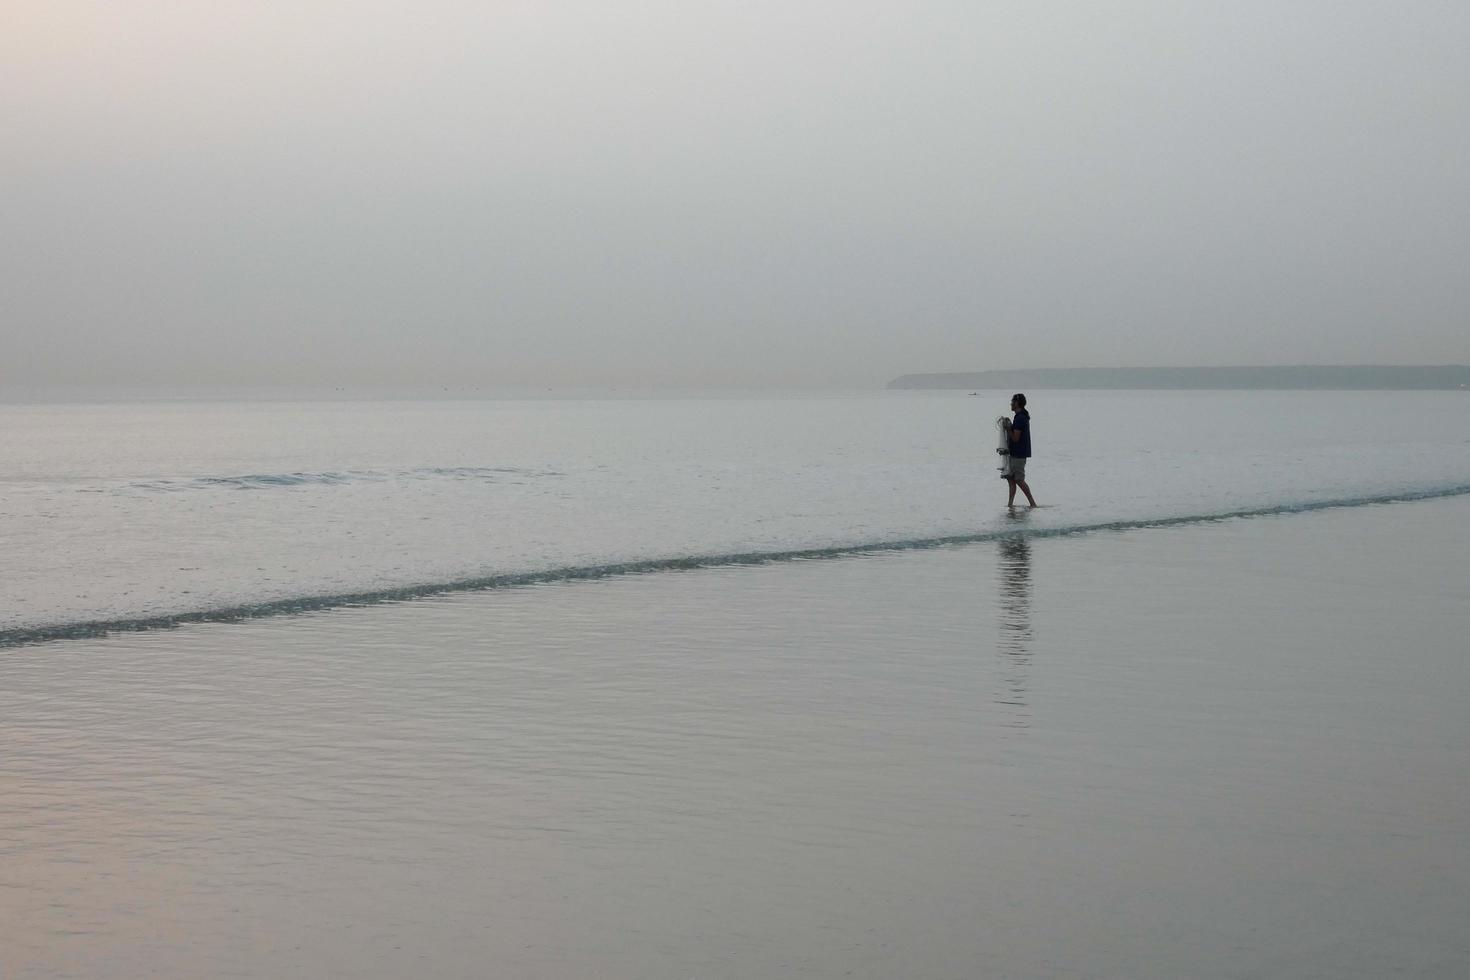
[1202,715]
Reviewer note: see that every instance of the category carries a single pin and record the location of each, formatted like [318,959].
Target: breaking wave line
[301,604]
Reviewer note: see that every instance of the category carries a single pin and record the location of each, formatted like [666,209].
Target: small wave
[277,607]
[255,481]
[266,481]
[475,472]
[274,481]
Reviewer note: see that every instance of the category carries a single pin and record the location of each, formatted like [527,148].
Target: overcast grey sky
[725,192]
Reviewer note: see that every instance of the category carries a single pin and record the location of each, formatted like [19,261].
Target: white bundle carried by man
[1003,424]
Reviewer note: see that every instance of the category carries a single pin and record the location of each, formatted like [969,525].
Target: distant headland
[1304,377]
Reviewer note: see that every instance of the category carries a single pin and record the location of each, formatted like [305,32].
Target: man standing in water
[1020,443]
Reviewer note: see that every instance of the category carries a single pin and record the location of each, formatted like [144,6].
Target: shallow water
[156,511]
[1233,749]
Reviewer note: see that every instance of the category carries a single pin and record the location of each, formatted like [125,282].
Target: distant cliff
[1364,377]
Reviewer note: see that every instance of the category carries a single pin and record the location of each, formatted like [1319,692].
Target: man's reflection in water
[1015,624]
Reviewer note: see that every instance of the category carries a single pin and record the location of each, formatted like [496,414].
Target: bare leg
[1011,497]
[1025,488]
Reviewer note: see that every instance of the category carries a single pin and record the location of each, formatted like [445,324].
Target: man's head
[1018,402]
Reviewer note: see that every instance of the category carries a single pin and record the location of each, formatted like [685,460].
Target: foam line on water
[277,607]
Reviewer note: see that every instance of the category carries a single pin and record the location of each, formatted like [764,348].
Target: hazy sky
[730,193]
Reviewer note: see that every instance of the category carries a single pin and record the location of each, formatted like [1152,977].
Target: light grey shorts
[1018,467]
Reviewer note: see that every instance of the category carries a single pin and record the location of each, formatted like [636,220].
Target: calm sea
[1202,715]
[160,512]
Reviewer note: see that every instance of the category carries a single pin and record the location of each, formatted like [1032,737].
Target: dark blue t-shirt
[1021,426]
